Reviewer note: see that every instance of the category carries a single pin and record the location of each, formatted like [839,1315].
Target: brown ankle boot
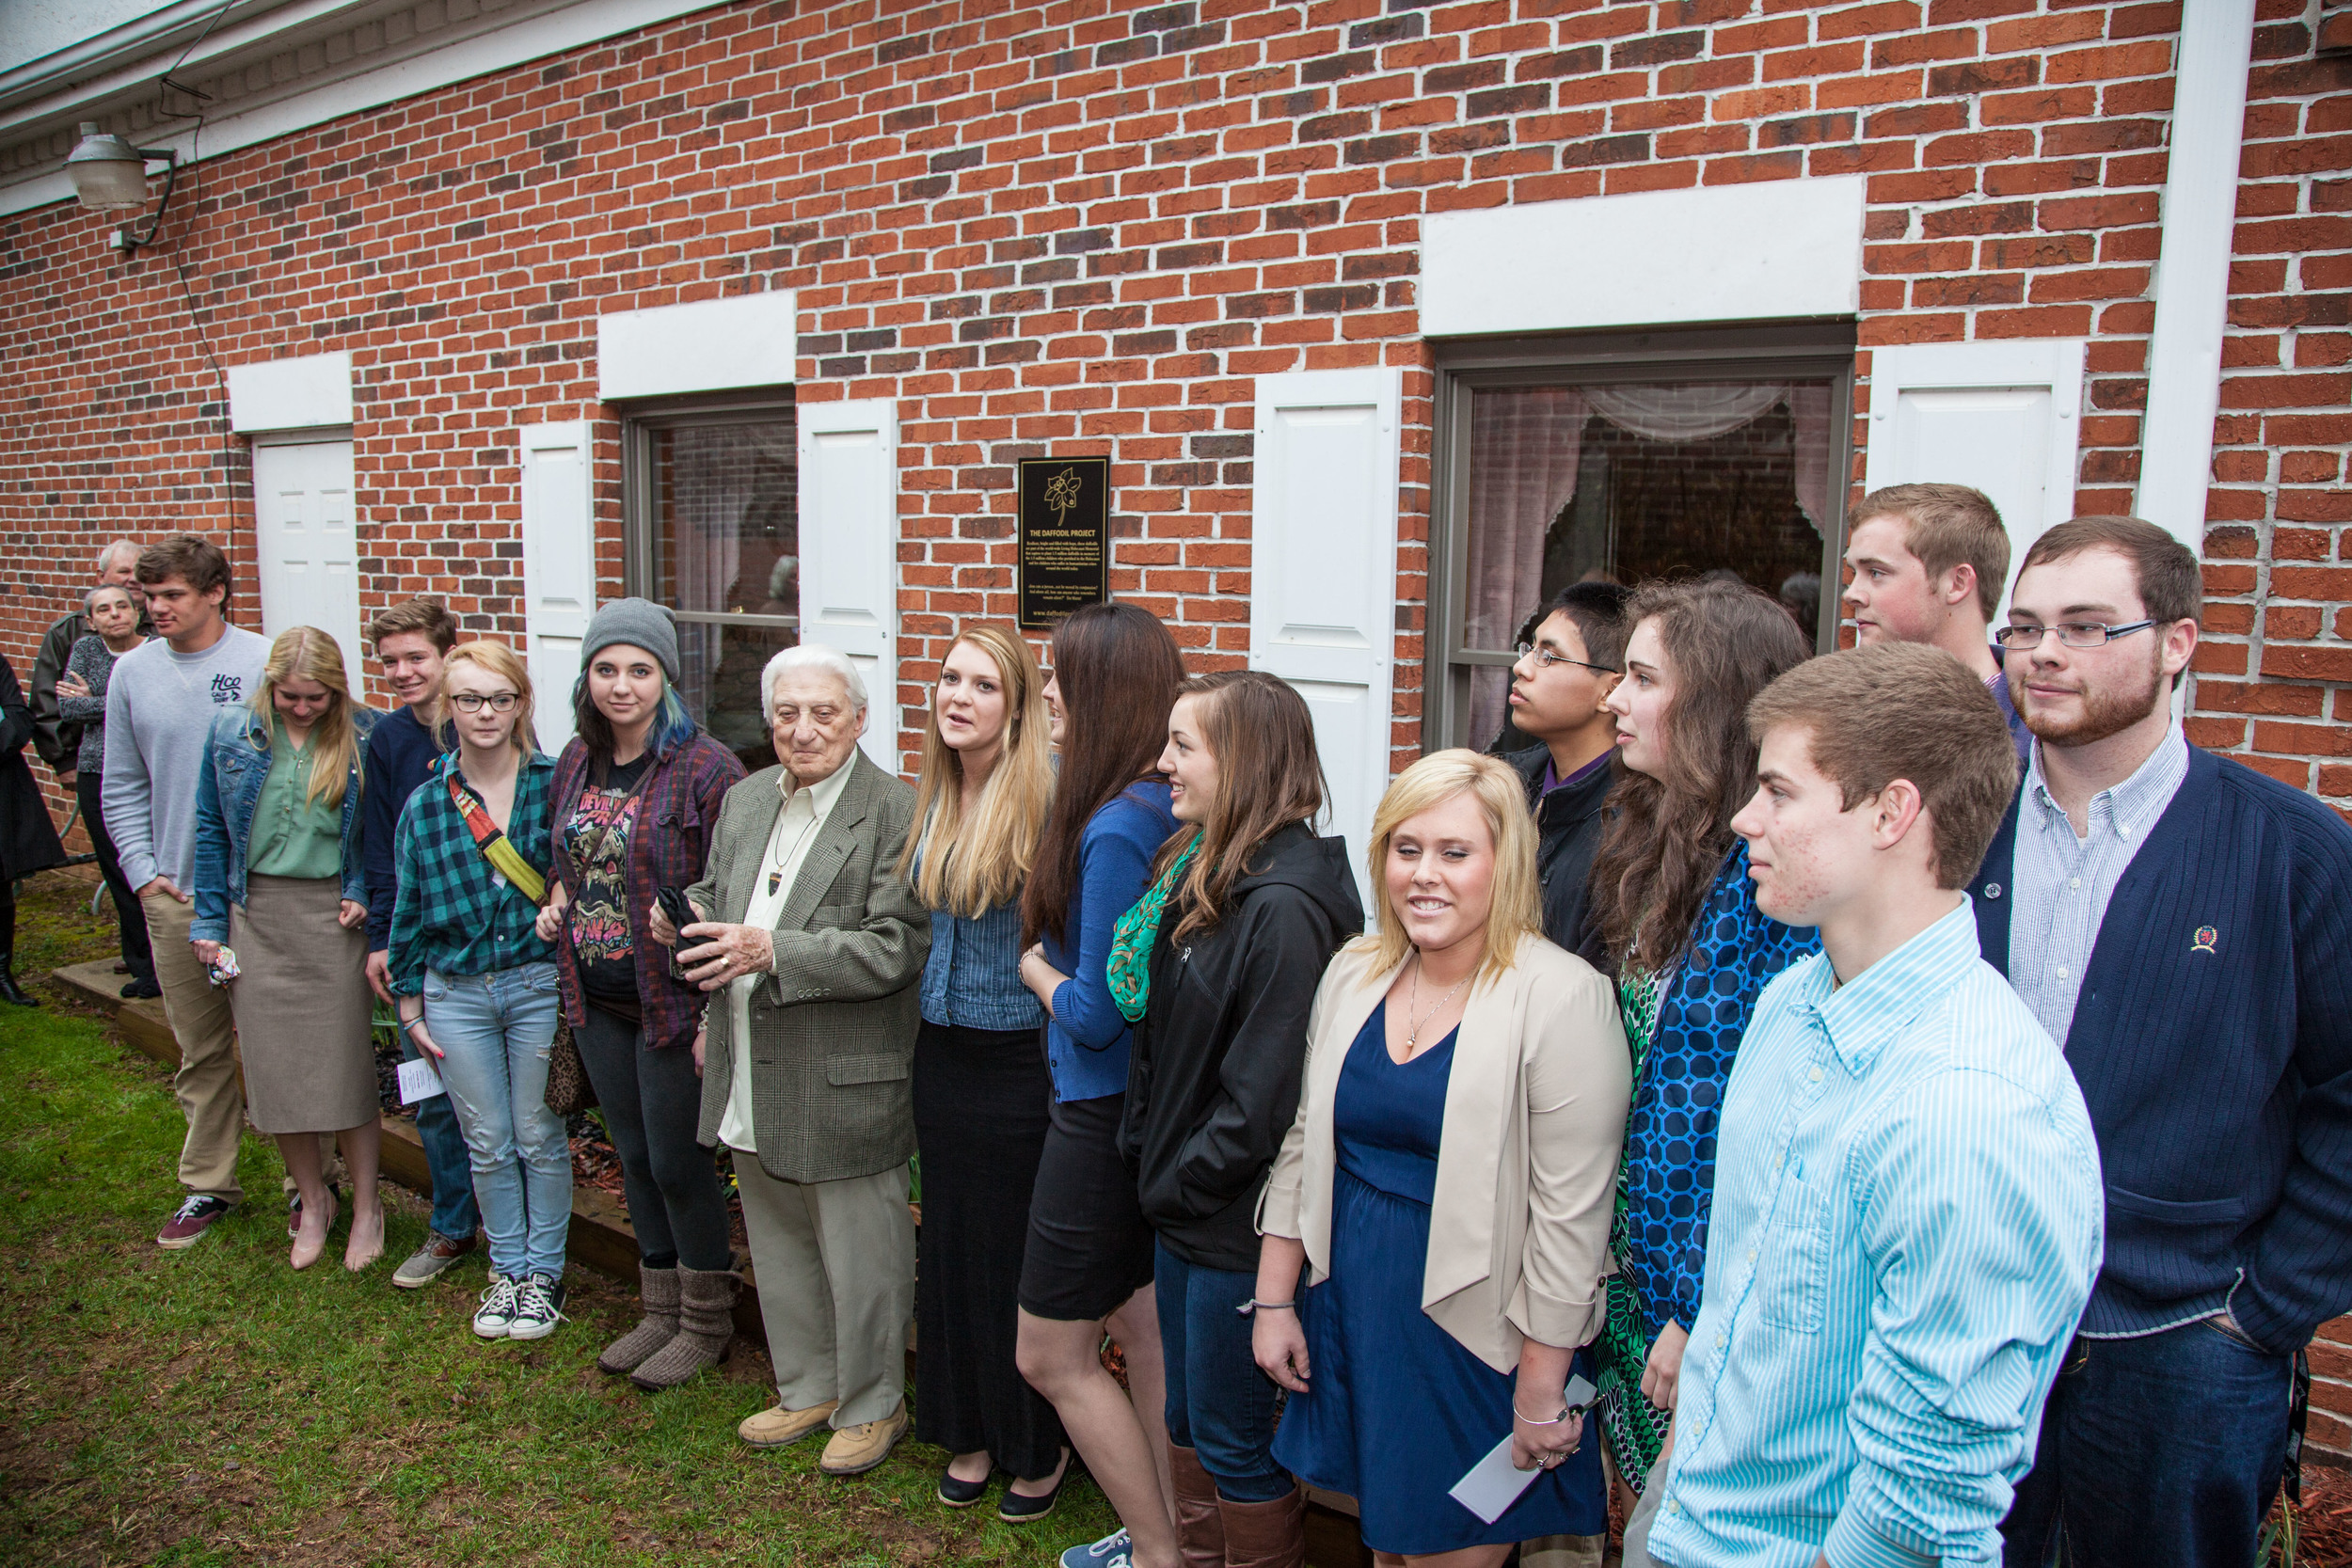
[706,1330]
[1200,1528]
[1265,1535]
[657,1293]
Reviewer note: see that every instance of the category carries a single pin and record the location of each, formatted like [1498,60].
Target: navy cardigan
[2213,1043]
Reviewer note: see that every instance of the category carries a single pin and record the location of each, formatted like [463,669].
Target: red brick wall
[1088,226]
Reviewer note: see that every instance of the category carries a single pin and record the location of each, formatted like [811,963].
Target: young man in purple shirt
[1566,668]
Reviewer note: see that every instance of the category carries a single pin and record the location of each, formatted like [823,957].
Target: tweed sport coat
[833,1028]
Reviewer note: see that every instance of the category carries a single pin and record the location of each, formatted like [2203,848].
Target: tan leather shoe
[776,1427]
[854,1451]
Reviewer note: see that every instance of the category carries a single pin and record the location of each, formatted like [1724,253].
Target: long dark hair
[1268,776]
[1119,669]
[1667,837]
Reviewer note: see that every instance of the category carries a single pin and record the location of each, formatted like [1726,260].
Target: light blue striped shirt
[1907,1222]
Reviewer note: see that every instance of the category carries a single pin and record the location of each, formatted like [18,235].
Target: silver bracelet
[1253,1304]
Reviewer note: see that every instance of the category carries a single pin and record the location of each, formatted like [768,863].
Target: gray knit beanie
[639,623]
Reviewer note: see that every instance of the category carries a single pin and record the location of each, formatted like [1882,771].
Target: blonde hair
[1516,912]
[969,868]
[307,653]
[497,660]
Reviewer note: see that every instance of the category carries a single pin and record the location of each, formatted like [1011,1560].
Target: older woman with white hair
[814,944]
[1447,1189]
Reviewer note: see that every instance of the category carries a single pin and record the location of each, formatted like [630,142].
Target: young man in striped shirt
[1907,1198]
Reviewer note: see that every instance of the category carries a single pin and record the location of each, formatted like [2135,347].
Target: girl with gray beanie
[635,797]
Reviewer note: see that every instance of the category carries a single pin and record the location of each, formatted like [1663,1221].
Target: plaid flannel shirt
[452,912]
[677,811]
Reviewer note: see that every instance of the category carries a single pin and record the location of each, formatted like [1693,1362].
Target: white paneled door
[1323,574]
[308,541]
[558,570]
[2001,417]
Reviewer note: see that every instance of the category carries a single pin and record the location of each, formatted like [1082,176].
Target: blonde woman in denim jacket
[281,882]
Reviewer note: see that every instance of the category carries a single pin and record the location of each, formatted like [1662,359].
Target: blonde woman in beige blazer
[1446,1189]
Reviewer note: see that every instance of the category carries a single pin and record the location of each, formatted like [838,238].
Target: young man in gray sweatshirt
[160,705]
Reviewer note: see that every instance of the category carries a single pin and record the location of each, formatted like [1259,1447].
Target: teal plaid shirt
[453,913]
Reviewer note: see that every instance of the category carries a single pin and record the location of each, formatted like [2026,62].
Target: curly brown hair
[1666,838]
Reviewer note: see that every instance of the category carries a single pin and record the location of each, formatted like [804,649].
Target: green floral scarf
[1130,968]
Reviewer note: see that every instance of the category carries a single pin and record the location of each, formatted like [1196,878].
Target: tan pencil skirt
[302,1006]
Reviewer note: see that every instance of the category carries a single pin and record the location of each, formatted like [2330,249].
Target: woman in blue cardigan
[1673,908]
[1088,1261]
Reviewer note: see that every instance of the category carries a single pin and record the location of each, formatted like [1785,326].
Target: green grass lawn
[213,1407]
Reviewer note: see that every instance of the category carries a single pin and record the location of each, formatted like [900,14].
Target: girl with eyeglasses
[474,981]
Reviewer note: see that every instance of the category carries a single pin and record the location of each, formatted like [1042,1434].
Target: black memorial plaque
[1064,548]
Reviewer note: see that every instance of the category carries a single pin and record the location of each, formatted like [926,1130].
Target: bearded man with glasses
[2177,922]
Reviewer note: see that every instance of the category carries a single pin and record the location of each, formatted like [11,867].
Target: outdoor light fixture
[109,175]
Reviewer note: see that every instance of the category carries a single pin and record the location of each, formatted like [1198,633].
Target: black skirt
[979,1120]
[1089,1245]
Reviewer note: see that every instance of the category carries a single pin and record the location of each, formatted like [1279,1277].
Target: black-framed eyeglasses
[2073,634]
[1546,659]
[471,702]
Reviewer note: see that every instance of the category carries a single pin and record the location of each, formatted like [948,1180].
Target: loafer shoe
[431,1261]
[856,1449]
[776,1427]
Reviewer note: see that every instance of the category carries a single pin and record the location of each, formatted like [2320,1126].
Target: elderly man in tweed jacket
[815,955]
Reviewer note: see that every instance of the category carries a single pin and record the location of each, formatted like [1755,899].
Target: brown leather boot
[1200,1528]
[1265,1535]
[657,1295]
[706,1330]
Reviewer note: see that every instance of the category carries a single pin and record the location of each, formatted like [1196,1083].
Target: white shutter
[559,569]
[2002,417]
[1323,573]
[850,550]
[307,544]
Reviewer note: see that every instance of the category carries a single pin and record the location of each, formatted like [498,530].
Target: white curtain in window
[1524,443]
[1691,411]
[1808,414]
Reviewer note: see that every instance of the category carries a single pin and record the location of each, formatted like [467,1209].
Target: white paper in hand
[1493,1485]
[418,1079]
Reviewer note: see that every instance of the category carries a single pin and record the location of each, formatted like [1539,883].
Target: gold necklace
[1412,1036]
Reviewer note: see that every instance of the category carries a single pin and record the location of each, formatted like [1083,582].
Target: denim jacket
[229,787]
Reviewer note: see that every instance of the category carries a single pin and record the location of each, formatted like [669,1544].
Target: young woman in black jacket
[1218,965]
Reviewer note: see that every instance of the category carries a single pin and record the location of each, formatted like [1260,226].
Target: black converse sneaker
[539,1306]
[494,1318]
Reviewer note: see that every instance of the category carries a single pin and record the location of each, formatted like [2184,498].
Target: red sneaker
[188,1226]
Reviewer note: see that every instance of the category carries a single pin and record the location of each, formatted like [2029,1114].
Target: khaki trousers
[206,1084]
[836,1264]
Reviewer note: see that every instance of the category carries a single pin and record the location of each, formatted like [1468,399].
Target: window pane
[1627,483]
[726,542]
[722,666]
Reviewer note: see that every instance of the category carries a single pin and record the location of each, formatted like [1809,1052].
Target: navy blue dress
[1396,1410]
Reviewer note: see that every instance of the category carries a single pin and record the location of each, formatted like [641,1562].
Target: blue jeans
[454,1213]
[496,1032]
[1218,1403]
[2162,1451]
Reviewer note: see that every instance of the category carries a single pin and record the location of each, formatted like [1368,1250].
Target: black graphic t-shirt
[596,837]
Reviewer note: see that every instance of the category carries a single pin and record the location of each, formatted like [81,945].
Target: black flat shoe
[960,1493]
[1014,1508]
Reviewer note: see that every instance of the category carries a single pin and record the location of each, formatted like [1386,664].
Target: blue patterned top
[973,976]
[1667,1185]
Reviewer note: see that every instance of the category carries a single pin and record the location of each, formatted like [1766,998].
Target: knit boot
[706,1330]
[1200,1528]
[657,1288]
[1265,1535]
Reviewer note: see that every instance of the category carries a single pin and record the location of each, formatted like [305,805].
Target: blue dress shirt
[1907,1221]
